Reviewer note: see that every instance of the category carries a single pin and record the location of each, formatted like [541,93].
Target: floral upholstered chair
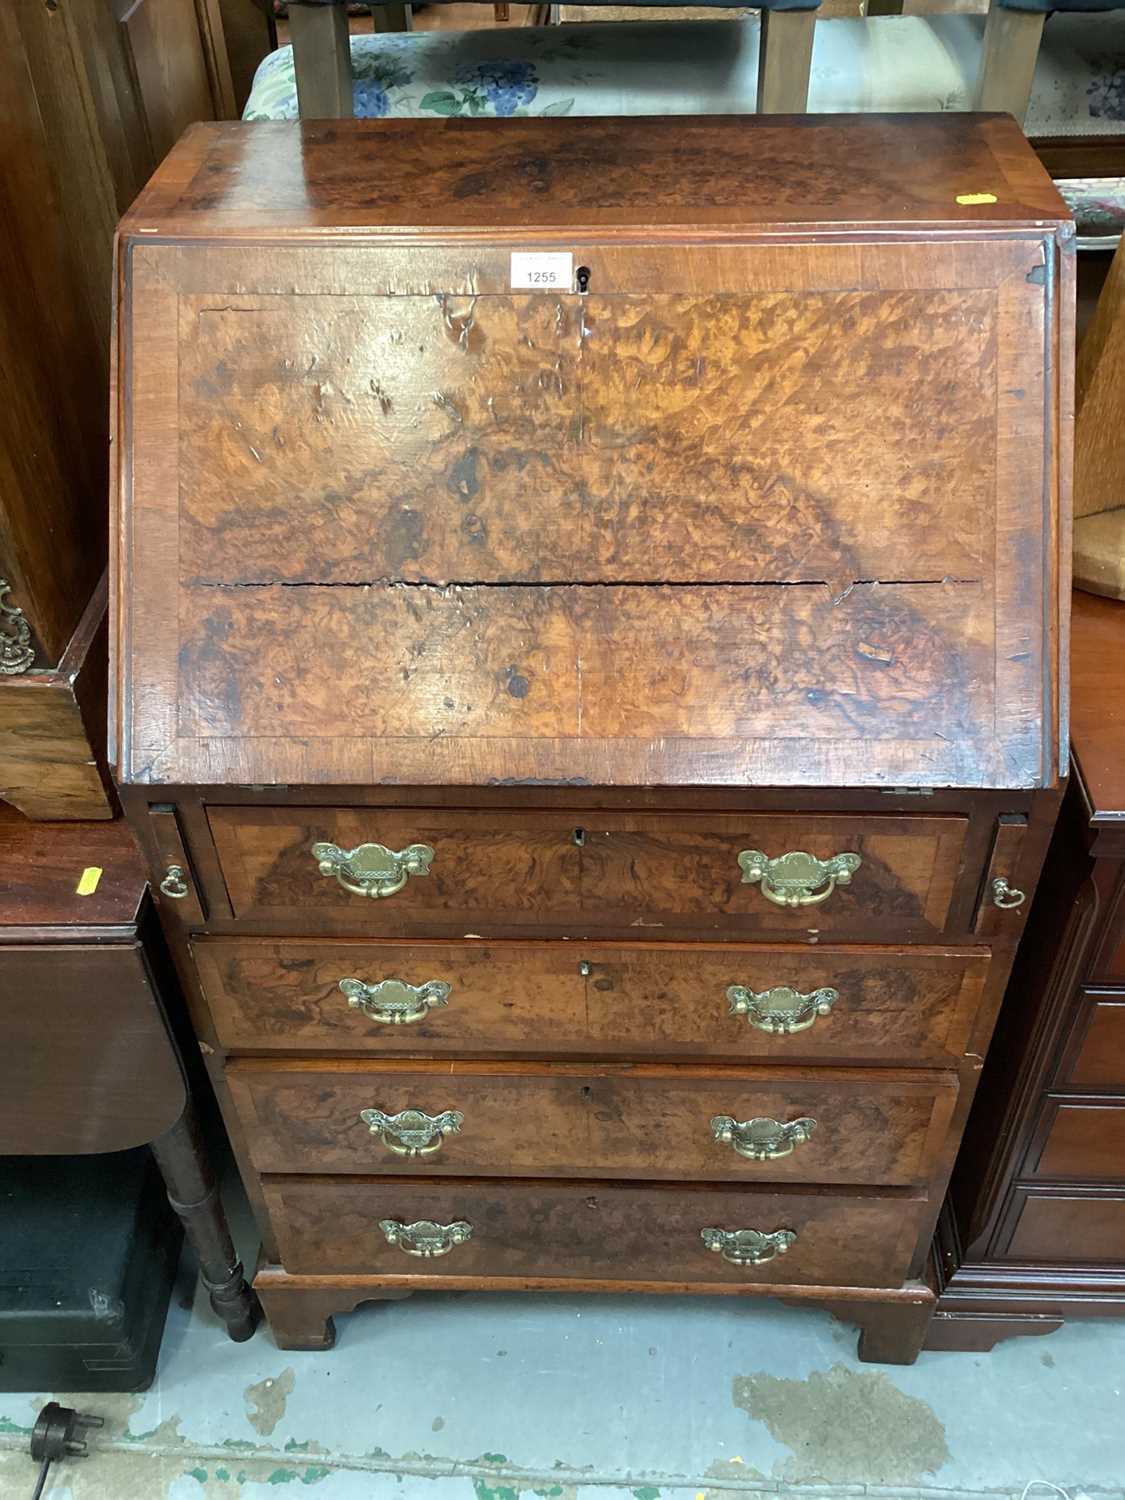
[323,53]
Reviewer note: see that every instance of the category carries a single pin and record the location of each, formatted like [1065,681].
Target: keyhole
[582,278]
[585,969]
[579,837]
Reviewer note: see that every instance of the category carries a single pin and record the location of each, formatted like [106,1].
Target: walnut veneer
[746,535]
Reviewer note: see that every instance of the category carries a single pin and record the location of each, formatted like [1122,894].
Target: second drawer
[643,1122]
[733,1003]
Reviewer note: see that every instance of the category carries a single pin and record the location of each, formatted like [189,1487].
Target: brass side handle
[393,1002]
[780,1011]
[797,878]
[372,869]
[761,1139]
[424,1238]
[1006,897]
[175,883]
[412,1132]
[748,1247]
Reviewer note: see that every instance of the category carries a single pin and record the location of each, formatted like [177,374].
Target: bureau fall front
[595,736]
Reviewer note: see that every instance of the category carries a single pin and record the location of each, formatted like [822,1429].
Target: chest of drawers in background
[1033,1231]
[595,737]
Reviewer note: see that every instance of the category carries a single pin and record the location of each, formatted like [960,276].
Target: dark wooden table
[90,1061]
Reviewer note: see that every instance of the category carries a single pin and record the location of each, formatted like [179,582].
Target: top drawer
[416,872]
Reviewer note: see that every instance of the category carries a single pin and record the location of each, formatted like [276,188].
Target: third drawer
[734,1002]
[642,1122]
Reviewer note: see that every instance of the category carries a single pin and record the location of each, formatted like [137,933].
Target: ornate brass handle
[780,1011]
[748,1247]
[412,1132]
[1006,897]
[393,1002]
[373,869]
[425,1238]
[797,878]
[175,883]
[761,1139]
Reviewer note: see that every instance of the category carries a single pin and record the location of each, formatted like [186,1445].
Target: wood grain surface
[636,536]
[42,867]
[1068,1226]
[624,1121]
[1097,1061]
[646,872]
[1082,1138]
[652,1000]
[578,1230]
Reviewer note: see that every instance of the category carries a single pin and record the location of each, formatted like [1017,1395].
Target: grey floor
[568,1398]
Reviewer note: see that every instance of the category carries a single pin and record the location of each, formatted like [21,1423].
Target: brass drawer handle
[780,1011]
[393,1002]
[175,883]
[373,869]
[797,878]
[1006,897]
[412,1132]
[425,1238]
[761,1139]
[748,1247]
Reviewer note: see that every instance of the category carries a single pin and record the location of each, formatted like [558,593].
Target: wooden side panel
[578,1230]
[1004,864]
[87,1063]
[497,871]
[1096,1057]
[632,1123]
[560,999]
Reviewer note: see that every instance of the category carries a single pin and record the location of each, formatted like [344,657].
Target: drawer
[486,873]
[585,1230]
[1083,1226]
[535,1120]
[1095,1059]
[1081,1139]
[556,999]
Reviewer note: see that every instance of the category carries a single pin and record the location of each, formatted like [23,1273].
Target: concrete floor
[613,1398]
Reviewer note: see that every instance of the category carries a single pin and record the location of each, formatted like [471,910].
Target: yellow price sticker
[88,881]
[971,200]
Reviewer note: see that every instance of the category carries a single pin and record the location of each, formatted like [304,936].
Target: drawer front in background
[1096,1058]
[644,1122]
[283,995]
[1082,1140]
[1056,1225]
[591,871]
[589,1229]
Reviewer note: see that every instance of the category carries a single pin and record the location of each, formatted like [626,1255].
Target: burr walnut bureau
[588,610]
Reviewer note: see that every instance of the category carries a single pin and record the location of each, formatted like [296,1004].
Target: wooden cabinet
[595,738]
[93,94]
[1033,1231]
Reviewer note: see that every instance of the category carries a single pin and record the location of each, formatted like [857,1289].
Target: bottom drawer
[1067,1225]
[588,1230]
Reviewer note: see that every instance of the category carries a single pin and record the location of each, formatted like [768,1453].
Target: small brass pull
[425,1238]
[797,878]
[373,869]
[393,1002]
[175,883]
[748,1247]
[1006,897]
[761,1139]
[412,1132]
[780,1011]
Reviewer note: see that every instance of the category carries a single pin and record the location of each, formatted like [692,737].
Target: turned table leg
[193,1193]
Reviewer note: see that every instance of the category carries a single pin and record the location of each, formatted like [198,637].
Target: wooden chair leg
[1007,67]
[392,18]
[322,61]
[192,1192]
[784,61]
